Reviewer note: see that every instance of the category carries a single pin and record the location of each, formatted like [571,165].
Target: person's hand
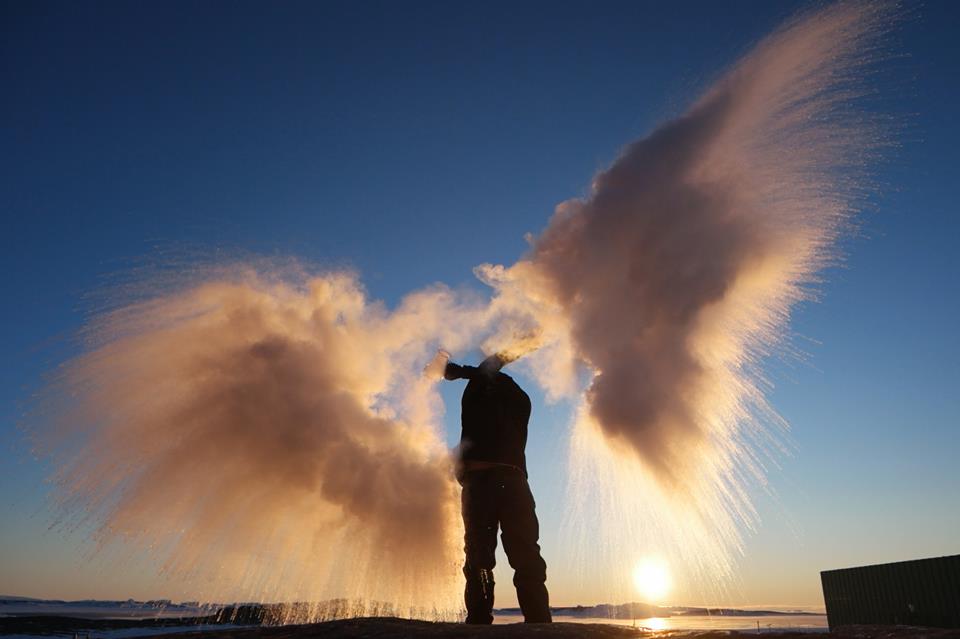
[452,371]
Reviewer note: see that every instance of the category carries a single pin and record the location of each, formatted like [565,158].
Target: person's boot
[534,602]
[478,595]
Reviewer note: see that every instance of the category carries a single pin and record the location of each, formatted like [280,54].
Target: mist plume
[678,271]
[247,428]
[674,278]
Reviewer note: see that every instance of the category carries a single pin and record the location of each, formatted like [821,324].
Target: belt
[470,464]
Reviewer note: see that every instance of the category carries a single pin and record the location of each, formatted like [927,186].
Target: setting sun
[652,578]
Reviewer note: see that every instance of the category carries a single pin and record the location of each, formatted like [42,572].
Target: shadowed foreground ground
[382,627]
[377,627]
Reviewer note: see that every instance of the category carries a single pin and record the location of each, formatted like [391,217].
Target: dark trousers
[501,497]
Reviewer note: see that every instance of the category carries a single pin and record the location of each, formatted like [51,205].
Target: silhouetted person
[492,469]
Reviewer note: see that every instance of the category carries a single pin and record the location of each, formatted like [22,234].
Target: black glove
[452,371]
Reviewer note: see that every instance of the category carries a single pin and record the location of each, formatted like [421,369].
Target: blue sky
[415,141]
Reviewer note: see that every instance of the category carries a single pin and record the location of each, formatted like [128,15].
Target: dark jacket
[494,416]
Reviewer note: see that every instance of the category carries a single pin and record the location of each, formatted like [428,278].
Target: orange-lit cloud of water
[674,278]
[268,431]
[264,430]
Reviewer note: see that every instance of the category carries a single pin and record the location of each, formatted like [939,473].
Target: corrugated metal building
[922,592]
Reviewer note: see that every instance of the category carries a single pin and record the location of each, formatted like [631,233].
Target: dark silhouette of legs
[520,534]
[493,498]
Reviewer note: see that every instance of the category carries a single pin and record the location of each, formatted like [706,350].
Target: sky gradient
[413,143]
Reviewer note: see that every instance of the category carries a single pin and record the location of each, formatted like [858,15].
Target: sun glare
[655,623]
[652,578]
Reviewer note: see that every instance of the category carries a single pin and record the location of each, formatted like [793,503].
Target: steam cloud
[676,275]
[247,428]
[276,426]
[674,278]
